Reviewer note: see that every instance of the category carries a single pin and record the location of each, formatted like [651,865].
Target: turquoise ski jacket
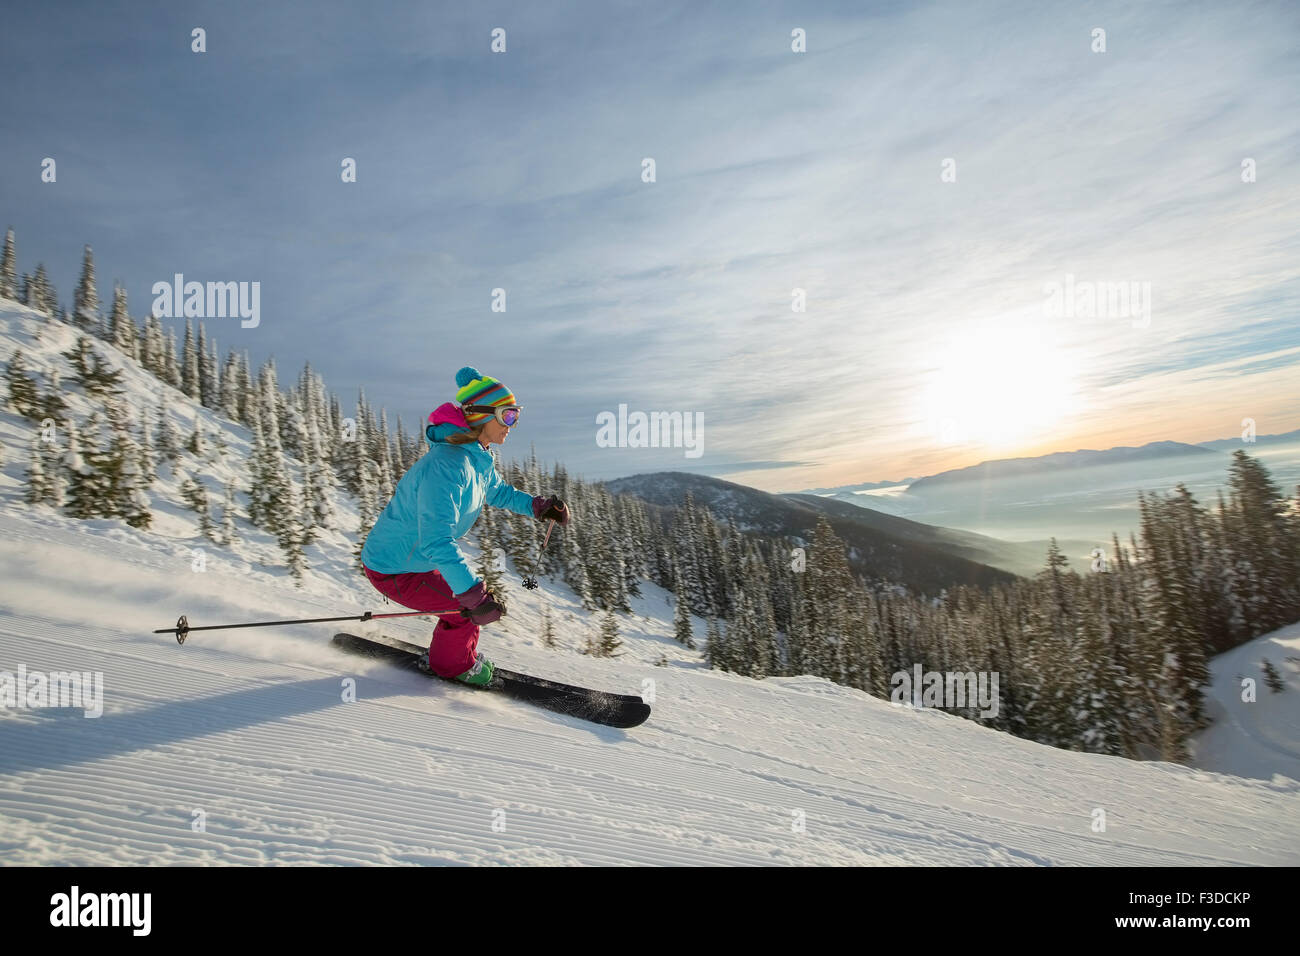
[434,504]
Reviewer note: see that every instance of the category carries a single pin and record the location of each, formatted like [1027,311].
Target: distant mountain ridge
[1080,458]
[865,486]
[1059,461]
[882,548]
[1232,444]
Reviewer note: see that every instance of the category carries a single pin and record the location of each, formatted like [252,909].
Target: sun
[999,386]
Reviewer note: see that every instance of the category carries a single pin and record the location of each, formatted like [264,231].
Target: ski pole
[182,628]
[530,582]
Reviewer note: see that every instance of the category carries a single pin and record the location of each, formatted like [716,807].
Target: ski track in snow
[411,772]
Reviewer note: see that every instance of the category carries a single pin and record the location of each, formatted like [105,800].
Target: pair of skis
[611,710]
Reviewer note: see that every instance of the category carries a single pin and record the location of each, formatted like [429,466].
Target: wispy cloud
[775,170]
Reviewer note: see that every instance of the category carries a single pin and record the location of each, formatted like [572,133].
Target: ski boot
[480,675]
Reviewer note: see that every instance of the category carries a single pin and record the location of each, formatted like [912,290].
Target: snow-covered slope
[248,731]
[1257,737]
[242,746]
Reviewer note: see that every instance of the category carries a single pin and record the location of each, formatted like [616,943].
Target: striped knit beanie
[479,389]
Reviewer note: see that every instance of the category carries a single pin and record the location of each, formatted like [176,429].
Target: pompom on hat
[475,388]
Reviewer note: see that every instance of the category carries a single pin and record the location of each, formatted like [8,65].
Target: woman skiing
[411,554]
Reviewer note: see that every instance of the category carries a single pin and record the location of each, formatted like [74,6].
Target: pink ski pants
[455,639]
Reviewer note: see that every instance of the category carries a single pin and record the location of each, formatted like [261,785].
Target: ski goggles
[506,414]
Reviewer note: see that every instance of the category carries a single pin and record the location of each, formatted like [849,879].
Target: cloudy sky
[929,339]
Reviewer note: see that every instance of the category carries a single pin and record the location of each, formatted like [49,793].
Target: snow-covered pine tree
[368,506]
[748,639]
[711,566]
[334,428]
[56,475]
[24,397]
[860,662]
[665,565]
[65,463]
[153,350]
[682,631]
[1198,543]
[800,647]
[1118,583]
[519,531]
[716,652]
[318,481]
[1155,731]
[244,389]
[205,373]
[387,484]
[733,562]
[323,407]
[1005,654]
[39,488]
[228,533]
[229,388]
[40,292]
[1168,525]
[1267,553]
[490,550]
[82,359]
[85,303]
[829,603]
[92,373]
[282,511]
[121,329]
[1223,529]
[148,453]
[306,514]
[1100,706]
[304,399]
[209,372]
[403,461]
[780,578]
[685,549]
[631,544]
[609,641]
[169,437]
[258,502]
[195,496]
[9,267]
[532,532]
[616,533]
[418,446]
[128,482]
[291,535]
[135,507]
[383,454]
[87,486]
[352,451]
[765,652]
[190,364]
[197,445]
[569,545]
[295,429]
[171,365]
[603,561]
